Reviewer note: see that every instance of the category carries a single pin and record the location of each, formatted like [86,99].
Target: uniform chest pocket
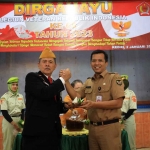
[10,104]
[104,89]
[126,103]
[19,103]
[105,92]
[88,93]
[88,90]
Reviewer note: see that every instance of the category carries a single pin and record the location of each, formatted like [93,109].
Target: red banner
[75,26]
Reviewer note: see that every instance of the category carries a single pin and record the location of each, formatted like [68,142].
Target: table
[124,140]
[17,143]
[76,140]
[71,140]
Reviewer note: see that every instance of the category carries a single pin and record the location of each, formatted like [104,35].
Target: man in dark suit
[42,128]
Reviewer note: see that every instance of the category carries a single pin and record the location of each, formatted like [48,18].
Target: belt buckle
[95,123]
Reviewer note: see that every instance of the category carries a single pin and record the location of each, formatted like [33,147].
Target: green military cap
[12,80]
[124,76]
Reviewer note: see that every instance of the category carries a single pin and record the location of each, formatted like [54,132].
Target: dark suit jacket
[42,110]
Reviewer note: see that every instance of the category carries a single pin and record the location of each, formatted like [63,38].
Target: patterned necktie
[51,81]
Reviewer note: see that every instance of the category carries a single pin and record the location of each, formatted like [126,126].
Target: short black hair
[76,81]
[126,83]
[99,52]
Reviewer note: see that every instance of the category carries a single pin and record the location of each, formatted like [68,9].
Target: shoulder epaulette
[2,98]
[6,93]
[131,91]
[112,72]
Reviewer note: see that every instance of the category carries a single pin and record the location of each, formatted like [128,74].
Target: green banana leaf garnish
[80,100]
[21,123]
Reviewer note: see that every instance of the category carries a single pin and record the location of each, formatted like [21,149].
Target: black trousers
[45,142]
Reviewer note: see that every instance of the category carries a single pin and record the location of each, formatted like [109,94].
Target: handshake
[65,74]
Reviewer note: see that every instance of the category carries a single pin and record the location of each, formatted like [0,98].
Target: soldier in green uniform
[104,94]
[12,107]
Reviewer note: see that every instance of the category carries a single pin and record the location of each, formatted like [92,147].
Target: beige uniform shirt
[12,103]
[110,87]
[130,101]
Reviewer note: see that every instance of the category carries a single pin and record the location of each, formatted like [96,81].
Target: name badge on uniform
[19,98]
[88,87]
[98,98]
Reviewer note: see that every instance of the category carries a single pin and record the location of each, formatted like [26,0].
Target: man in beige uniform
[104,93]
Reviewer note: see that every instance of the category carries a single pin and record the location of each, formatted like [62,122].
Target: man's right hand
[65,74]
[88,104]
